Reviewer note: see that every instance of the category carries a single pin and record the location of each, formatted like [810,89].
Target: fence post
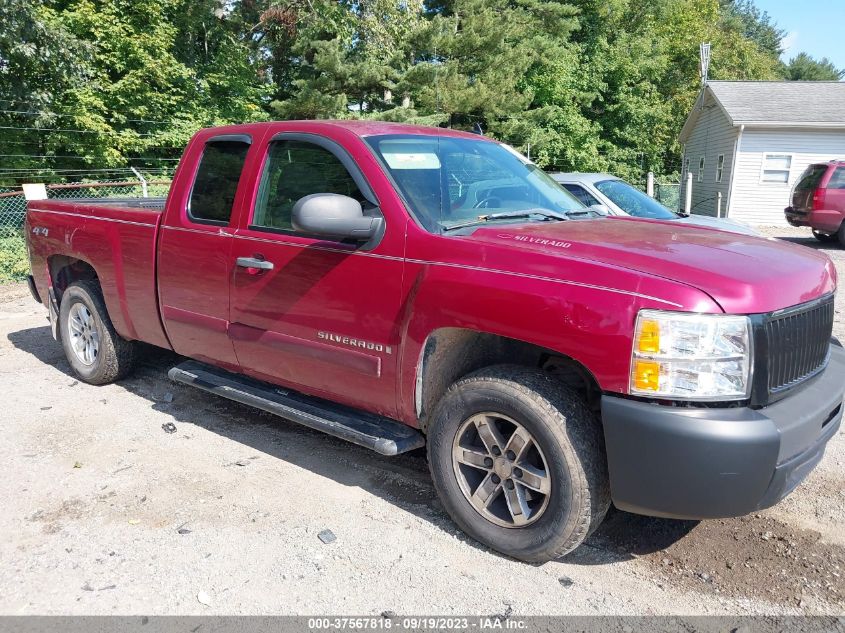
[719,205]
[143,181]
[649,184]
[688,195]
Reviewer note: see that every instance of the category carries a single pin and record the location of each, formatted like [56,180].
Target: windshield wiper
[525,213]
[510,215]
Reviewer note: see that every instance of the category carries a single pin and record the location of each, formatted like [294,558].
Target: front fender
[590,323]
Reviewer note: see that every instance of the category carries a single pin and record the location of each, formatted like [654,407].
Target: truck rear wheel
[518,461]
[97,354]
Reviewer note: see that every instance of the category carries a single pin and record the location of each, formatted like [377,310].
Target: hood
[722,224]
[743,274]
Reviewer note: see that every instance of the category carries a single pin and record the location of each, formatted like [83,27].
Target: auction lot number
[416,623]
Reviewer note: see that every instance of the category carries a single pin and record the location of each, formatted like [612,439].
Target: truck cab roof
[357,127]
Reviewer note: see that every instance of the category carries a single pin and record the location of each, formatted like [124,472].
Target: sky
[812,26]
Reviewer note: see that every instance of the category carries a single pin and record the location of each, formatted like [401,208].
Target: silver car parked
[621,198]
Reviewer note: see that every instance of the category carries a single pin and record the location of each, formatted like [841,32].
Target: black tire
[841,234]
[824,237]
[570,438]
[116,356]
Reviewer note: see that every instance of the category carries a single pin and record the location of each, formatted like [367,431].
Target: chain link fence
[14,261]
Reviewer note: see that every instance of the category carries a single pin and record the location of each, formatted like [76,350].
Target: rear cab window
[216,181]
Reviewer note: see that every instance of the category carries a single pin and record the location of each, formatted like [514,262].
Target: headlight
[691,356]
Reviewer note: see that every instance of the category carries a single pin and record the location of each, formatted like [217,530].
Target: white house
[751,140]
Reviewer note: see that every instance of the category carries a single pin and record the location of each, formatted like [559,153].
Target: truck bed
[116,237]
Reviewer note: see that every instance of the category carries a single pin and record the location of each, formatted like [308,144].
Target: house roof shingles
[781,102]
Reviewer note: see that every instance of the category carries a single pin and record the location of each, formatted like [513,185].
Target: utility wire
[68,113]
[74,131]
[112,119]
[72,174]
[84,157]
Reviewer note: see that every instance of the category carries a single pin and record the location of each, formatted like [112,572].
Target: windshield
[633,201]
[449,182]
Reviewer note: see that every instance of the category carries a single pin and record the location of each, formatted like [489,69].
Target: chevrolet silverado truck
[400,286]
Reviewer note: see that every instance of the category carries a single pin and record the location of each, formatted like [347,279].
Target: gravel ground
[105,512]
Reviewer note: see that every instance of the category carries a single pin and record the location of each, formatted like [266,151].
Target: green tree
[637,77]
[586,84]
[743,16]
[803,67]
[111,81]
[347,64]
[39,61]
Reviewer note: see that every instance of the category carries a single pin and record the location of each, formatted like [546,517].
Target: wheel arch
[449,353]
[64,270]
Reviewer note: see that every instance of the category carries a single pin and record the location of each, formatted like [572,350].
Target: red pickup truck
[401,286]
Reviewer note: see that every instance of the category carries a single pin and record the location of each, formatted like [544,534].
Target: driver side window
[293,170]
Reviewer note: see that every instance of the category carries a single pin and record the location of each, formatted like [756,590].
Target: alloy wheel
[501,470]
[82,330]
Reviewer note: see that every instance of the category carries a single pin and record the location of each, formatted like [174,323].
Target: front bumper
[699,463]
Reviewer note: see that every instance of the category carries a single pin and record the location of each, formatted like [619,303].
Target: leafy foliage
[581,84]
[14,261]
[802,67]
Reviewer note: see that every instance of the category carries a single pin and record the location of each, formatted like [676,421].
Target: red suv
[818,201]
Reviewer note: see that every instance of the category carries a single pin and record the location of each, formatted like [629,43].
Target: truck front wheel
[518,461]
[96,353]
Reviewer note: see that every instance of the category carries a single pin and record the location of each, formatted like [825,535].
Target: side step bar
[375,432]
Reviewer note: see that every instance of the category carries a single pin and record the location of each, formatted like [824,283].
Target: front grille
[797,343]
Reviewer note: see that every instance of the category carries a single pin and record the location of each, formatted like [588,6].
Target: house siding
[759,202]
[713,135]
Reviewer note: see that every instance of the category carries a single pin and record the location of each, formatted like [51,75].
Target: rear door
[834,195]
[194,263]
[308,312]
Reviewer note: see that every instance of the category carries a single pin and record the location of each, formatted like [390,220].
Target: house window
[700,169]
[776,168]
[720,167]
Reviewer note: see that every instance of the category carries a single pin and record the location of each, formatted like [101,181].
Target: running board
[369,430]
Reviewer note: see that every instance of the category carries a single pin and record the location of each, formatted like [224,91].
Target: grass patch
[14,260]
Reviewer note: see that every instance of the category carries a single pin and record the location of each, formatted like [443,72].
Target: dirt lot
[105,512]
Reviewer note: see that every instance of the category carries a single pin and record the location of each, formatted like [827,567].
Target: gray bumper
[698,463]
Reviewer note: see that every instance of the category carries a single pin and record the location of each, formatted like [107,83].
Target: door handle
[254,263]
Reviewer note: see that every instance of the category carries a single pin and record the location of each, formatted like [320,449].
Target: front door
[309,313]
